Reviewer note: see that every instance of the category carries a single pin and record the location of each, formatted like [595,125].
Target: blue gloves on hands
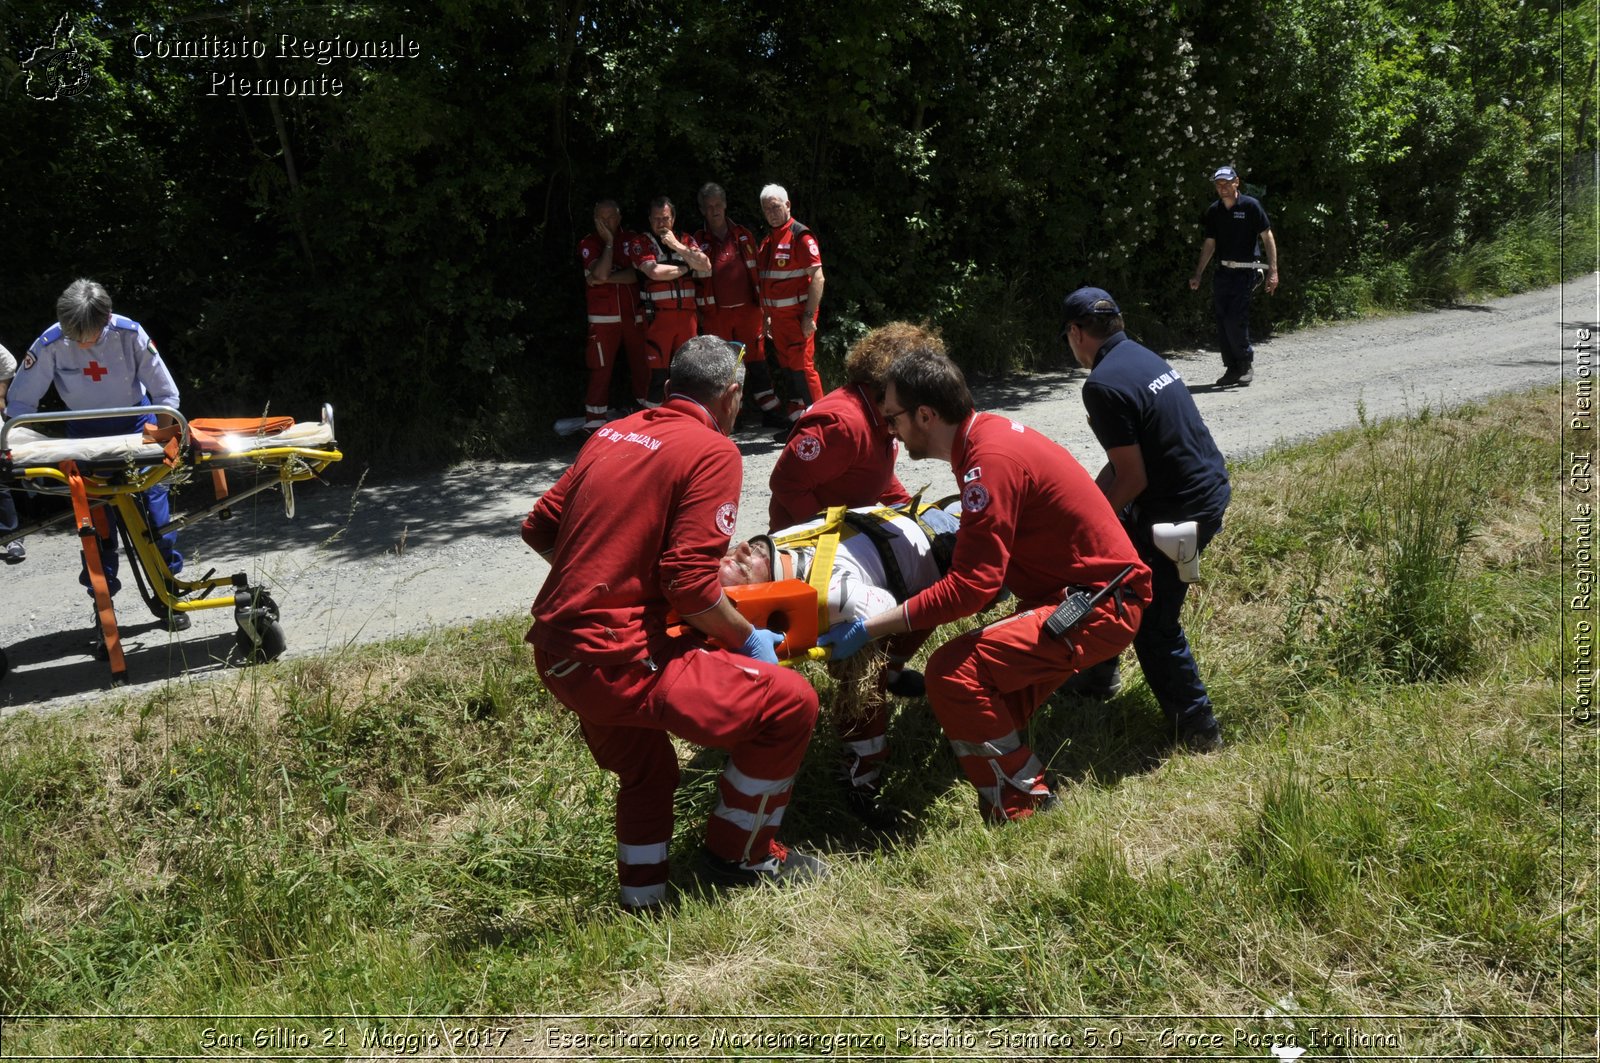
[846,638]
[762,645]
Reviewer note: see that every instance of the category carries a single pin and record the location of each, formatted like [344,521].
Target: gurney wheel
[273,643]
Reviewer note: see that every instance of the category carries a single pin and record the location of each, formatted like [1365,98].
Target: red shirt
[733,267]
[784,263]
[1032,520]
[675,294]
[638,525]
[840,453]
[607,303]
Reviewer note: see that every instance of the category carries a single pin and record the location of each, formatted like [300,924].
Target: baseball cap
[1088,302]
[1225,173]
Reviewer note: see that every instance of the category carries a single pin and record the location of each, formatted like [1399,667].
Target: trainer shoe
[776,419]
[15,552]
[1096,683]
[906,683]
[781,866]
[1200,733]
[867,804]
[177,621]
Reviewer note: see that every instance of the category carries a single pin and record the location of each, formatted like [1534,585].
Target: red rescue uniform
[614,324]
[1032,521]
[840,453]
[730,301]
[784,262]
[672,315]
[635,528]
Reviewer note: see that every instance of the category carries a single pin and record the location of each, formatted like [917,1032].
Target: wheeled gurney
[105,474]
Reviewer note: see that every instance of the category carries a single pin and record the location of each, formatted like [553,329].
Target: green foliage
[405,248]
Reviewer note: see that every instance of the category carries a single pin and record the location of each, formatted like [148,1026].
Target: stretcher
[106,475]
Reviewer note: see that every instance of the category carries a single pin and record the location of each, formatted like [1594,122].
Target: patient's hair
[703,367]
[83,309]
[869,360]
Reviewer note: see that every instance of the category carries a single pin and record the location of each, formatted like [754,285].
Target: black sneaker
[15,552]
[781,437]
[177,621]
[907,683]
[1228,379]
[782,866]
[1245,378]
[776,418]
[1096,683]
[1200,734]
[866,803]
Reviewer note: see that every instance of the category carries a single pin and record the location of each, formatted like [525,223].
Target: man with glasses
[634,530]
[842,453]
[1031,522]
[1162,467]
[98,360]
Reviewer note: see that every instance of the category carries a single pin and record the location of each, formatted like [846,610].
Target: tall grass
[418,829]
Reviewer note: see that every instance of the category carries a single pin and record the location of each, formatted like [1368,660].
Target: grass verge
[417,829]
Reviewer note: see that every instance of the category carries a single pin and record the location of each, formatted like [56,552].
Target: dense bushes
[404,248]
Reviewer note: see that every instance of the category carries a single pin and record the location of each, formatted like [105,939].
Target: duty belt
[1244,265]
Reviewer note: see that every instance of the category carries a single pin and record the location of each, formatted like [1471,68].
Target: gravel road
[366,561]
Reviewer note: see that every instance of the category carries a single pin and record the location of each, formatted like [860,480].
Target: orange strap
[92,524]
[207,432]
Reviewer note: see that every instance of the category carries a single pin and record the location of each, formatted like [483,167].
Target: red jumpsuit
[730,304]
[637,527]
[784,262]
[675,319]
[840,453]
[1034,522]
[613,312]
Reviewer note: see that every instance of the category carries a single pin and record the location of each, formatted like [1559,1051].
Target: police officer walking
[1237,230]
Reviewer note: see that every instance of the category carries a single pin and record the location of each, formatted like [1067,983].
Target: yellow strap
[822,562]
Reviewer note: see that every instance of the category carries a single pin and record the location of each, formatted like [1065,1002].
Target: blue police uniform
[122,369]
[1237,232]
[1134,397]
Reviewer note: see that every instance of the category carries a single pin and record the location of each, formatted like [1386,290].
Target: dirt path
[370,561]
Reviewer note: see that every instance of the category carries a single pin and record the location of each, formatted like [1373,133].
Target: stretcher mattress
[35,448]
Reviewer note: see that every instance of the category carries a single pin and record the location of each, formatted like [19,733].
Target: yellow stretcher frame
[96,485]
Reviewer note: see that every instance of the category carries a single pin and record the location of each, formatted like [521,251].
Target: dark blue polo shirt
[1236,231]
[1134,397]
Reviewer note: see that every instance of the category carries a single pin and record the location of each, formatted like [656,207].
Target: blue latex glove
[845,638]
[762,645]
